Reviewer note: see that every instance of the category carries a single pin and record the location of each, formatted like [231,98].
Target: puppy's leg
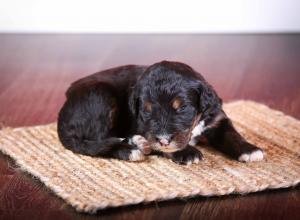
[223,136]
[186,156]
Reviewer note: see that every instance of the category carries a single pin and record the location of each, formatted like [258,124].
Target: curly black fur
[105,110]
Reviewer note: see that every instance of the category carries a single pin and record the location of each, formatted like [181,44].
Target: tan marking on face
[176,103]
[148,106]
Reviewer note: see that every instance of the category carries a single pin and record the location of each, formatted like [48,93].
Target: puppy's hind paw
[128,152]
[136,155]
[141,143]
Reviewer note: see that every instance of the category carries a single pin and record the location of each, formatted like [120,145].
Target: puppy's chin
[171,148]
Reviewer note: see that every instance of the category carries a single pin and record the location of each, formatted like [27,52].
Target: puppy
[129,111]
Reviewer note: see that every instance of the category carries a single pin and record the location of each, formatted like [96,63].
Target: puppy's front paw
[187,156]
[251,153]
[141,143]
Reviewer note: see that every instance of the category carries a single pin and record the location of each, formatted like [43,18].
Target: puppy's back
[122,78]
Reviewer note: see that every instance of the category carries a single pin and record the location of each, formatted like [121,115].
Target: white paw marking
[196,132]
[136,155]
[195,161]
[141,143]
[253,156]
[138,140]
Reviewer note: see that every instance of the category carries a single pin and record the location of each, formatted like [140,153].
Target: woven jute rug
[90,184]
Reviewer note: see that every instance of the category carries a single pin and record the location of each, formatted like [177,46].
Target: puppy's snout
[163,139]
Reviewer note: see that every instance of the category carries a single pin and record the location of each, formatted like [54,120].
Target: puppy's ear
[133,101]
[208,98]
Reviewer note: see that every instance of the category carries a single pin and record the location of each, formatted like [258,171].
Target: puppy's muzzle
[165,143]
[164,139]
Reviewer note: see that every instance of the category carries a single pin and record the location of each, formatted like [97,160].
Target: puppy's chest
[197,132]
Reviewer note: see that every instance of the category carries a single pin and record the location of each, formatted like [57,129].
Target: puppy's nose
[164,140]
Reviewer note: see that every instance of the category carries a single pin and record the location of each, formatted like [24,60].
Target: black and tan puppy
[129,111]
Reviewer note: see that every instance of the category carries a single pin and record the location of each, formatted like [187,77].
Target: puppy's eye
[182,108]
[148,106]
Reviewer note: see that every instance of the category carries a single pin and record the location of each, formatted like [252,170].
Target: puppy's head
[167,102]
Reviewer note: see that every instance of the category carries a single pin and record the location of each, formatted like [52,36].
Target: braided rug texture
[90,184]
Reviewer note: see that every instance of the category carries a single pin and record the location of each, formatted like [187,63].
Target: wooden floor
[35,70]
